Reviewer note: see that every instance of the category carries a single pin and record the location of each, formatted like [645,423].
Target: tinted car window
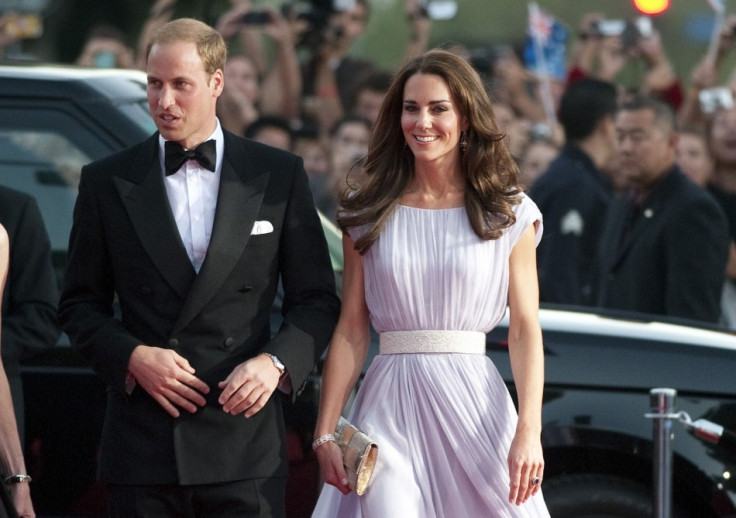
[42,151]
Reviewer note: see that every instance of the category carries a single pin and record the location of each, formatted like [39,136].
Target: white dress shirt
[192,193]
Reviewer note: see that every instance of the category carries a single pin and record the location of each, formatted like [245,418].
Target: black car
[599,369]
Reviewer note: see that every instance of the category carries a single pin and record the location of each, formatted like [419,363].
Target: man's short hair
[584,104]
[664,115]
[210,45]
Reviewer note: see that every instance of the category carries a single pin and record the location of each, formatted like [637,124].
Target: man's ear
[606,126]
[217,82]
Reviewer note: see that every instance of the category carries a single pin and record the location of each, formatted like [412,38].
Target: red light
[652,6]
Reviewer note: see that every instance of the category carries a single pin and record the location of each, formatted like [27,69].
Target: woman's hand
[331,466]
[526,464]
[20,494]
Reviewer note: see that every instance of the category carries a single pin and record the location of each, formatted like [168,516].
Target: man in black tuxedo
[193,239]
[31,293]
[664,246]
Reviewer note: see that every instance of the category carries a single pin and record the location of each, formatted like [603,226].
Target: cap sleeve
[527,213]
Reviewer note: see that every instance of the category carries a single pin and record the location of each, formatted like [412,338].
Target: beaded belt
[406,342]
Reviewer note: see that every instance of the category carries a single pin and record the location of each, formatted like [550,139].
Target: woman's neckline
[430,208]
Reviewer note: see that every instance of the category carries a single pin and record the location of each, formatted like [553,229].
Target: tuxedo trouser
[252,498]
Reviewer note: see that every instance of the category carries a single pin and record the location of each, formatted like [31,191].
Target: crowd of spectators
[294,82]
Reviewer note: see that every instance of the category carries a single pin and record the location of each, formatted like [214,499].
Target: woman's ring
[534,481]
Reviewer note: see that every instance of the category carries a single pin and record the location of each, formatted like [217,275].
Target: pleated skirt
[443,424]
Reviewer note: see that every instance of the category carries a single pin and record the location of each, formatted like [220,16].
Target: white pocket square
[261,227]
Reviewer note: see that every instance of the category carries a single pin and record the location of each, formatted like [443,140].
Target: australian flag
[544,52]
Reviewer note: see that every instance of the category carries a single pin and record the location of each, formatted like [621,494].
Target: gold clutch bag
[359,454]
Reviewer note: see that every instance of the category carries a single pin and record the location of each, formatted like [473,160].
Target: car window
[42,151]
[46,165]
[138,112]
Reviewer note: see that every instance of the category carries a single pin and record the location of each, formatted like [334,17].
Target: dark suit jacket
[573,196]
[672,261]
[31,290]
[124,241]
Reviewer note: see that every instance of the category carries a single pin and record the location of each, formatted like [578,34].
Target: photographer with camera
[106,48]
[605,47]
[330,73]
[704,97]
[278,89]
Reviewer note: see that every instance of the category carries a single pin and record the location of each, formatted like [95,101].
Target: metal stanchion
[663,412]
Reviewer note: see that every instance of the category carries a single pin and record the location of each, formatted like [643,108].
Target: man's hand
[168,378]
[249,386]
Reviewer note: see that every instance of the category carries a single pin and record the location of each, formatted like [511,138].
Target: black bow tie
[176,155]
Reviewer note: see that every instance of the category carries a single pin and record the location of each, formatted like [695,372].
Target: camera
[317,14]
[608,27]
[256,18]
[639,28]
[629,30]
[714,99]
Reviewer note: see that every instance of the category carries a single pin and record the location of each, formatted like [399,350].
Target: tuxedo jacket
[31,290]
[125,243]
[672,260]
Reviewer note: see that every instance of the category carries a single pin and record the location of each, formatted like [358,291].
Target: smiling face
[181,96]
[430,121]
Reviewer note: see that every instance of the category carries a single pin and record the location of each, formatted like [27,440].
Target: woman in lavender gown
[438,240]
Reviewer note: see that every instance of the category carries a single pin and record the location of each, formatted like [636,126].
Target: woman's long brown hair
[491,174]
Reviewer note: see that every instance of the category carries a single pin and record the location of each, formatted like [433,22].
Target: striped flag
[545,48]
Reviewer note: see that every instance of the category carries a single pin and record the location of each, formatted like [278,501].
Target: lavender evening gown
[443,422]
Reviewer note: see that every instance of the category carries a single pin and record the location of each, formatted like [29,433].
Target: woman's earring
[463,141]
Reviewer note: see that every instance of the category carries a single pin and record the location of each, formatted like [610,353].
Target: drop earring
[463,141]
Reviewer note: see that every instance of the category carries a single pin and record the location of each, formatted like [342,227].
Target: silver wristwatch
[277,363]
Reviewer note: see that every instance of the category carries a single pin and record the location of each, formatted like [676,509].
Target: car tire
[596,496]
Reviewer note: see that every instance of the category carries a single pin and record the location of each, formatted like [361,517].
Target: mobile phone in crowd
[105,60]
[256,18]
[714,99]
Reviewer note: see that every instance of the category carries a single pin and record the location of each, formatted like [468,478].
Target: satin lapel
[238,202]
[149,211]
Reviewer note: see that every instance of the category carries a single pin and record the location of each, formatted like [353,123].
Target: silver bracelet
[17,479]
[319,441]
